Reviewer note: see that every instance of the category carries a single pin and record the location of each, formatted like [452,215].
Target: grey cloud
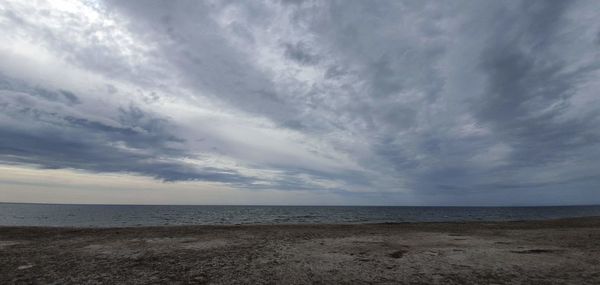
[35,131]
[293,2]
[300,53]
[333,72]
[63,96]
[529,89]
[206,61]
[140,143]
[448,102]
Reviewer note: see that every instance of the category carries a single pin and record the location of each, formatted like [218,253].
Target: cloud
[420,102]
[529,89]
[300,53]
[40,129]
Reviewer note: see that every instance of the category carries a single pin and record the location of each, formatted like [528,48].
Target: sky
[300,102]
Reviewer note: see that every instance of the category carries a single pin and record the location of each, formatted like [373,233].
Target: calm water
[127,215]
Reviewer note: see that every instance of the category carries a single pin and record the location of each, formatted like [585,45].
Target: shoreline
[550,222]
[563,250]
[324,205]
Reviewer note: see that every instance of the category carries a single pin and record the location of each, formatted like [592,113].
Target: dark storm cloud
[529,87]
[63,96]
[300,53]
[527,105]
[140,143]
[35,132]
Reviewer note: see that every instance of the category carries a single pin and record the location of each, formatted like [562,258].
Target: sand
[544,252]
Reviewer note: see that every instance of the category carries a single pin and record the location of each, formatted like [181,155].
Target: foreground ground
[549,252]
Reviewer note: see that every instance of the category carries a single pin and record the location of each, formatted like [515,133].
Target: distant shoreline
[537,222]
[102,216]
[274,205]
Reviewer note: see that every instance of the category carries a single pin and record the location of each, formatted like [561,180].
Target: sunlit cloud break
[337,102]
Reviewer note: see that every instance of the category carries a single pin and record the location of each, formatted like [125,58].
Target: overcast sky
[300,102]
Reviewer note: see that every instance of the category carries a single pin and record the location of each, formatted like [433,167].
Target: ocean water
[130,215]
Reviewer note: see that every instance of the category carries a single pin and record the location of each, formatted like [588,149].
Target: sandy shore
[546,252]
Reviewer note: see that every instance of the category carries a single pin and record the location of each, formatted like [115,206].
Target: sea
[59,215]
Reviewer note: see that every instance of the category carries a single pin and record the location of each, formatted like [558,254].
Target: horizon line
[300,205]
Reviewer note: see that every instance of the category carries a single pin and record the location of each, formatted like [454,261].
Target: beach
[565,251]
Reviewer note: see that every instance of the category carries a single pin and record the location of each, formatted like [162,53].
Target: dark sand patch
[398,253]
[534,251]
